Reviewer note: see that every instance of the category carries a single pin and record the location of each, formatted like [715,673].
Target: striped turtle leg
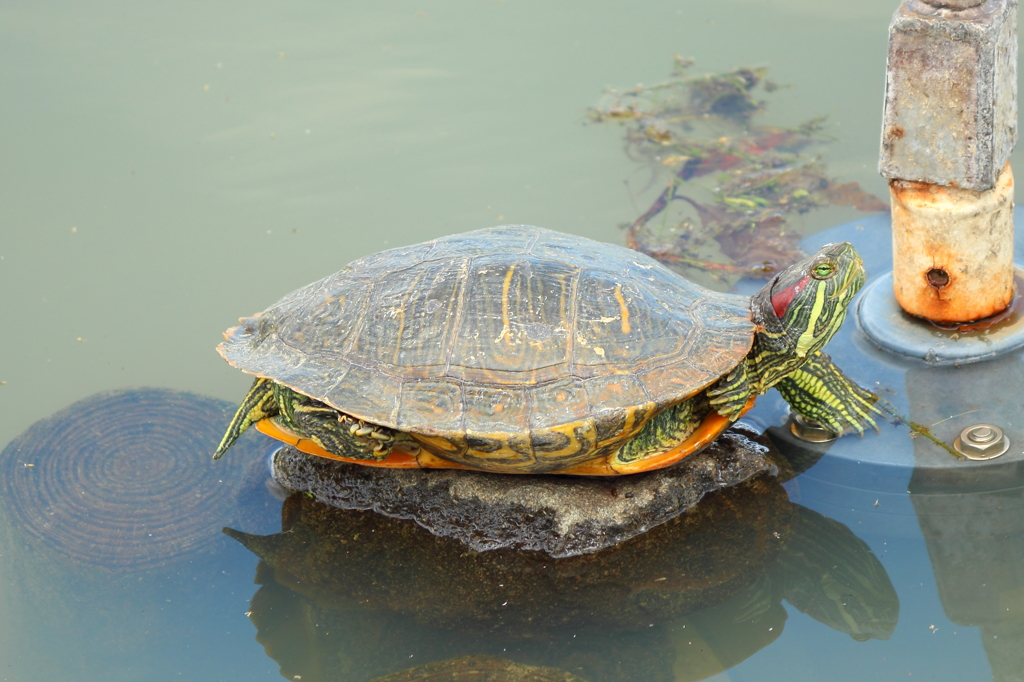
[820,392]
[664,431]
[259,403]
[731,394]
[677,432]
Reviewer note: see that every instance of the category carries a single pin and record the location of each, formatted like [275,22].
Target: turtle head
[802,307]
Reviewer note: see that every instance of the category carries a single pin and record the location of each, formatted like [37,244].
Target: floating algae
[690,128]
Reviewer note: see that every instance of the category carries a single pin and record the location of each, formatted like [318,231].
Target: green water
[166,168]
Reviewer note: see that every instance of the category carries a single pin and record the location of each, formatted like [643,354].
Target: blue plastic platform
[869,477]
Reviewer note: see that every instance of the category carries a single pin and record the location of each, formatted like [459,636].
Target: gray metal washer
[880,317]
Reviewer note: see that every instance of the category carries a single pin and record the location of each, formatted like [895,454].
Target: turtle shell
[512,338]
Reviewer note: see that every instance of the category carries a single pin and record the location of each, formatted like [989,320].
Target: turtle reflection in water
[730,560]
[516,349]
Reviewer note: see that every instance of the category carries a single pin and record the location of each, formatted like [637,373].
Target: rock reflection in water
[479,669]
[353,595]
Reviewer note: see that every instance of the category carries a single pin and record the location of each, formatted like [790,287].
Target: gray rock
[560,515]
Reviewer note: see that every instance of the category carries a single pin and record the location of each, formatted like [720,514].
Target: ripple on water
[123,480]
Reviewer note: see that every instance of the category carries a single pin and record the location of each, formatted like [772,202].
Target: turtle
[517,349]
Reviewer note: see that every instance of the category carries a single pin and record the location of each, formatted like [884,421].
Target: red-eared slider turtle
[517,349]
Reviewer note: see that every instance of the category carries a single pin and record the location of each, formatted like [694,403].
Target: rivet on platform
[812,432]
[981,441]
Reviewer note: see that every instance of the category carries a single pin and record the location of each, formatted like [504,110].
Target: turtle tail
[258,404]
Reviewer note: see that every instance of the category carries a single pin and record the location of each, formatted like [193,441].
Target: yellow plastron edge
[712,426]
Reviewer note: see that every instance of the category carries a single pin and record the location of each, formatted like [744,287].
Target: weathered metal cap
[950,113]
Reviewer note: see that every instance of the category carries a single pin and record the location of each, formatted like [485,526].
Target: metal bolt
[937,277]
[981,441]
[812,432]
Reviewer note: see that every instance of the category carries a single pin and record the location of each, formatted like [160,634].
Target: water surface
[165,169]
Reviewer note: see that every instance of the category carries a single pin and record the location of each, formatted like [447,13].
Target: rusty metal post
[953,249]
[949,125]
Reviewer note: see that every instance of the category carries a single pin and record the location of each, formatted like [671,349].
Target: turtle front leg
[821,393]
[733,392]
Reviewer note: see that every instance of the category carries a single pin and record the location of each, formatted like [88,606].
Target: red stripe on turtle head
[782,299]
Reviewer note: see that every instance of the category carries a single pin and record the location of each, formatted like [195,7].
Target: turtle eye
[823,270]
